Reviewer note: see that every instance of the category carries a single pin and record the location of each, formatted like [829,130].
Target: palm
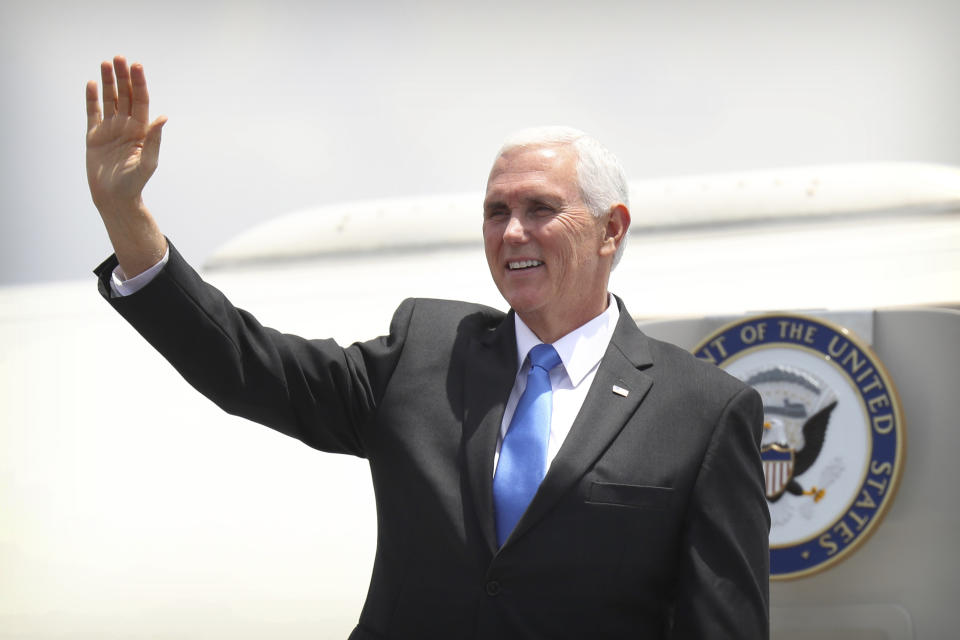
[115,158]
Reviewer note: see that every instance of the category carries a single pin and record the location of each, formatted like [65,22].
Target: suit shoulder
[707,374]
[435,314]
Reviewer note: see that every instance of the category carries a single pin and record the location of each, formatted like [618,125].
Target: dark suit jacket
[651,521]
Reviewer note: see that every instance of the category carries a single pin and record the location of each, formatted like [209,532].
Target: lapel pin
[620,391]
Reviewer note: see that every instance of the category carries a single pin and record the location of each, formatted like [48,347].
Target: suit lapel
[604,413]
[491,368]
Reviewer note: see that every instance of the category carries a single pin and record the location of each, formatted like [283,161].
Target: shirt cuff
[121,287]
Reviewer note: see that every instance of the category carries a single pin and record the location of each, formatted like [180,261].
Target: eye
[543,209]
[494,213]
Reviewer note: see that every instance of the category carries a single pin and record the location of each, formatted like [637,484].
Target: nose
[514,232]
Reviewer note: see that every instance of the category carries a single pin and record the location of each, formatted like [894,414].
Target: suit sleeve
[312,390]
[723,586]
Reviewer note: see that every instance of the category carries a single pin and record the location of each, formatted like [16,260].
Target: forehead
[528,172]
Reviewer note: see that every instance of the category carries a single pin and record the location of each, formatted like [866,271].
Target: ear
[617,225]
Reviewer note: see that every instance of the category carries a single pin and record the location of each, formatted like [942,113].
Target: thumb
[151,144]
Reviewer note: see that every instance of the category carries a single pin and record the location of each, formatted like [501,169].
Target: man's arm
[312,390]
[722,589]
[123,149]
[309,389]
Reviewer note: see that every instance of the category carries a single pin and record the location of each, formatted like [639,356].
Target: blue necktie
[523,454]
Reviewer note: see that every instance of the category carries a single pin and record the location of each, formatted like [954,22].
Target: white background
[275,107]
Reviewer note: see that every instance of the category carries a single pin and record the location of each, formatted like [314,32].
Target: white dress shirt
[580,352]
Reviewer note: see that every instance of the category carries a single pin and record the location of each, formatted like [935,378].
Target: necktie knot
[544,356]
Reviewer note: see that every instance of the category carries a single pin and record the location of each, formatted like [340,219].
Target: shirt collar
[581,349]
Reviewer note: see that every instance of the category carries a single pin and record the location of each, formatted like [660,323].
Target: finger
[141,99]
[109,89]
[93,106]
[151,144]
[123,85]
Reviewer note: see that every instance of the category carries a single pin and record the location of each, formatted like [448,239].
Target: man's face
[545,250]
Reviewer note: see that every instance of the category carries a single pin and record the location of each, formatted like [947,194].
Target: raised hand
[123,148]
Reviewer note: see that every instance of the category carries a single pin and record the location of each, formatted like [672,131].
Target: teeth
[524,264]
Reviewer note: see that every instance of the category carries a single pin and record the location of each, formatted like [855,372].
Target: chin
[524,297]
[524,304]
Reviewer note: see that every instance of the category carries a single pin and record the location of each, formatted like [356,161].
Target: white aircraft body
[131,507]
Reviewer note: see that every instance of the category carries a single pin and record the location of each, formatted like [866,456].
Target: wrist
[134,234]
[115,208]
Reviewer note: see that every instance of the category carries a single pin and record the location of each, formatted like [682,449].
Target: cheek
[571,249]
[491,239]
[574,238]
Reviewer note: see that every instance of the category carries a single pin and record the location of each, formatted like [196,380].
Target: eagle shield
[778,464]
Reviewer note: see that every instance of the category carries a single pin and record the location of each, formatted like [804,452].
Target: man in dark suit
[546,473]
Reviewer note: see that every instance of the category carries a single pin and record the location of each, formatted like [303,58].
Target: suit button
[493,588]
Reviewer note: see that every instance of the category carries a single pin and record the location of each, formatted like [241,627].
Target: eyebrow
[538,197]
[489,205]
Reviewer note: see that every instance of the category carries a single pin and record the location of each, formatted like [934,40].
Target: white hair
[600,176]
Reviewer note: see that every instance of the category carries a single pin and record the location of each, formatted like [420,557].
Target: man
[546,473]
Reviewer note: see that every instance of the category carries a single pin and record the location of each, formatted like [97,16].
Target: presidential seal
[833,434]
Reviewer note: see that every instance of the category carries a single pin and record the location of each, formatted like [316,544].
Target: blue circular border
[871,381]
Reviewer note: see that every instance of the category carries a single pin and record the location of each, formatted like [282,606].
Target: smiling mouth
[523,264]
